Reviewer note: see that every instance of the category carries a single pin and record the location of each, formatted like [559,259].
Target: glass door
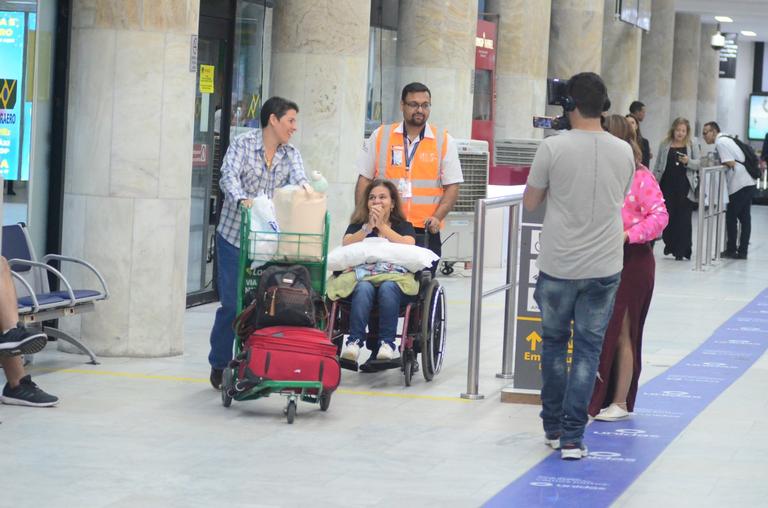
[211,88]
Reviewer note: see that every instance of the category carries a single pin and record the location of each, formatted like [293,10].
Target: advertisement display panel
[11,92]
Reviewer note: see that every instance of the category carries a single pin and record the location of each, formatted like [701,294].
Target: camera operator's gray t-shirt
[586,174]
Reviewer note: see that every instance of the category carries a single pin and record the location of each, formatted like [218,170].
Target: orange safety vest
[423,177]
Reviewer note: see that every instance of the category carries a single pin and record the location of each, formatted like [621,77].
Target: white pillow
[372,250]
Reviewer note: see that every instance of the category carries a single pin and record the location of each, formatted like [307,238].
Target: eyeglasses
[415,105]
[705,132]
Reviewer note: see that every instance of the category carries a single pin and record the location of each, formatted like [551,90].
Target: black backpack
[284,297]
[750,158]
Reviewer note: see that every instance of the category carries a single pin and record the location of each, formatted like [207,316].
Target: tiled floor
[152,433]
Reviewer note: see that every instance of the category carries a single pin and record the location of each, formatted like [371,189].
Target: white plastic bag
[264,231]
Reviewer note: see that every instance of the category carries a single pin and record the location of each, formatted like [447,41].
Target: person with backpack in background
[740,160]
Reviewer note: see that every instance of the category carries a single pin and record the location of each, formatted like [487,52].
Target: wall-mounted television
[635,12]
[758,117]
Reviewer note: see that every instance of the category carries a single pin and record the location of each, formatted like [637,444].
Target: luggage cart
[259,250]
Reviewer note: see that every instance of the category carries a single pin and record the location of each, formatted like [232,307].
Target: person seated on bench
[380,215]
[16,340]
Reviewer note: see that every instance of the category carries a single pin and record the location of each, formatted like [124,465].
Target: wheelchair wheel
[407,371]
[433,330]
[226,387]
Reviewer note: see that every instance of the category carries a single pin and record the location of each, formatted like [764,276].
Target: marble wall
[620,63]
[320,60]
[436,46]
[656,71]
[128,159]
[685,66]
[521,65]
[709,70]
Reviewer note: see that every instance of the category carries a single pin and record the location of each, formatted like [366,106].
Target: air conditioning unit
[515,152]
[458,233]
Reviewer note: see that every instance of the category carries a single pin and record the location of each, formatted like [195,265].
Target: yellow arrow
[533,338]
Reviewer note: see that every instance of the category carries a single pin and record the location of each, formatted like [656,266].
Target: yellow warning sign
[206,78]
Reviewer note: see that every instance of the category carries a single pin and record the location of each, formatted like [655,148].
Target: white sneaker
[552,443]
[573,452]
[386,352]
[612,413]
[351,351]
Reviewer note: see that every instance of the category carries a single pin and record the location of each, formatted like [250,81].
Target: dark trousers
[739,208]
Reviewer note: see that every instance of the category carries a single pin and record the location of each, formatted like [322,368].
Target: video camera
[557,95]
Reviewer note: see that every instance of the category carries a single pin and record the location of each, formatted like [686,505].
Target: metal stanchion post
[700,220]
[510,302]
[476,305]
[710,216]
[717,205]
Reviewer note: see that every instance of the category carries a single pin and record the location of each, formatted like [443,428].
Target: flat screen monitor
[758,117]
[644,15]
[628,11]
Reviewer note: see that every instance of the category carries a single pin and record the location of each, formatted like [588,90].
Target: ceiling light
[723,19]
[748,33]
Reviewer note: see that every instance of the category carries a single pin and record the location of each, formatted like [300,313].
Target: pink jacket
[644,213]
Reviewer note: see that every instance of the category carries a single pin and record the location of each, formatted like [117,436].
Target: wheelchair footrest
[348,364]
[379,365]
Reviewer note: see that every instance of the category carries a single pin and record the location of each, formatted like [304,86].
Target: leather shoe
[741,256]
[729,254]
[215,378]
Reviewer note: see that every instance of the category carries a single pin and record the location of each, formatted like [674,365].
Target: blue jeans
[222,335]
[389,296]
[565,394]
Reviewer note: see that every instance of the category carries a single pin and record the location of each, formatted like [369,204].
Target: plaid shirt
[244,175]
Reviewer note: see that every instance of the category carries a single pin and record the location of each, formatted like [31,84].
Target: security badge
[397,155]
[404,184]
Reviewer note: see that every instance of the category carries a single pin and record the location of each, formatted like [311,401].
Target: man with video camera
[583,174]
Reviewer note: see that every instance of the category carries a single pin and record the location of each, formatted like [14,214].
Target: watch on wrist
[366,229]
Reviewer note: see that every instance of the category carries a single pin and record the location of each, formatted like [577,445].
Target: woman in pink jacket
[644,216]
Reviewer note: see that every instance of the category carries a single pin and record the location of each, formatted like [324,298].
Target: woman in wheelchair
[380,215]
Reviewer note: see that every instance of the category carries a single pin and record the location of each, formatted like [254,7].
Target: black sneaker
[27,393]
[215,378]
[20,341]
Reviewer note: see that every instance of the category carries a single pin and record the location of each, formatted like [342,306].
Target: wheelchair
[422,332]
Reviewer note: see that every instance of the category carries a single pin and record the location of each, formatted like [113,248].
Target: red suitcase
[291,353]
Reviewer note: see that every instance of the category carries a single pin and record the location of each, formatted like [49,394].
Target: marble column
[521,65]
[575,40]
[575,37]
[709,71]
[620,60]
[656,71]
[685,66]
[436,46]
[129,159]
[319,60]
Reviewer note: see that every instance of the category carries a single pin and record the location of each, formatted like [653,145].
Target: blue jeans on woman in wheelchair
[389,297]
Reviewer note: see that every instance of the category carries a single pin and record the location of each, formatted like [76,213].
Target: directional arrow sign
[534,338]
